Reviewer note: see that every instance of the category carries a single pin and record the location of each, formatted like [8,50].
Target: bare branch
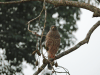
[65,3]
[44,8]
[35,19]
[41,68]
[86,40]
[65,70]
[99,0]
[33,31]
[75,4]
[13,2]
[88,1]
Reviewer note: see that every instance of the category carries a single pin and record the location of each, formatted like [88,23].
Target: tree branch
[13,2]
[65,3]
[98,0]
[75,4]
[86,40]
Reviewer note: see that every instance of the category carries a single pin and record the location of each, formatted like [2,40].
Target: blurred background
[17,43]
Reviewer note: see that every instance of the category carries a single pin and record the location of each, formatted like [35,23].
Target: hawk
[52,43]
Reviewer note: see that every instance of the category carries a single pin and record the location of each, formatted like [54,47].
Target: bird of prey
[52,43]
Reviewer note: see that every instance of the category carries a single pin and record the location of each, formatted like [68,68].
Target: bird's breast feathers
[52,42]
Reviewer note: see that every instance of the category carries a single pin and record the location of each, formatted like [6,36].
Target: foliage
[19,43]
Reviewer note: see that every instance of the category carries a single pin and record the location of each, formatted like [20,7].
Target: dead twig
[34,52]
[44,8]
[66,71]
[35,19]
[33,31]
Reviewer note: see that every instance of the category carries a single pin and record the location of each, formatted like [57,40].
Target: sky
[86,59]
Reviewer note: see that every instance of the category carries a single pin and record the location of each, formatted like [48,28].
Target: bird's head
[53,28]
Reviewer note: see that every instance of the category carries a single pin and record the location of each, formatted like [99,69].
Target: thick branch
[99,0]
[76,4]
[65,3]
[86,40]
[40,69]
[14,2]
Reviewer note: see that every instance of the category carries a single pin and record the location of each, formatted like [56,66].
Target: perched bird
[52,43]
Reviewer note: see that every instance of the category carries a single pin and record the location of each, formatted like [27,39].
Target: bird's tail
[49,66]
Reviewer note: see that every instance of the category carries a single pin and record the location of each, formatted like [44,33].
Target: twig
[44,8]
[86,40]
[34,52]
[65,70]
[88,1]
[59,72]
[33,32]
[35,19]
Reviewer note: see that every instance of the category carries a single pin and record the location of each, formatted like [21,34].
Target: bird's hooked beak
[53,27]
